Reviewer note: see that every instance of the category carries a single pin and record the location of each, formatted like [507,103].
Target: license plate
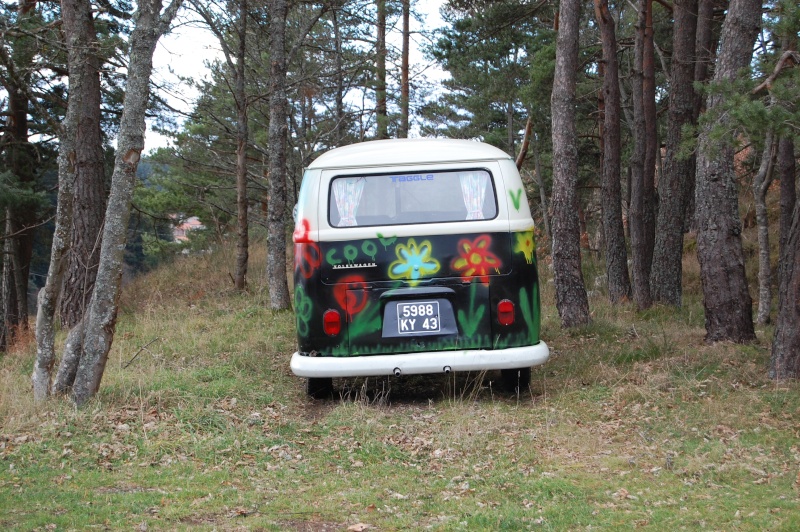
[414,317]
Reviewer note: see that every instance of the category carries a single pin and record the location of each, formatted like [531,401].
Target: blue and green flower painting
[413,262]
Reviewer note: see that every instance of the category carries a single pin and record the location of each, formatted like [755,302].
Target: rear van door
[410,256]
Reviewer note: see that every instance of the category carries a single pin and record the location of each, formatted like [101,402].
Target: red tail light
[332,322]
[505,312]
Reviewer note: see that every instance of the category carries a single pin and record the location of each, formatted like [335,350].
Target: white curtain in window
[473,190]
[347,192]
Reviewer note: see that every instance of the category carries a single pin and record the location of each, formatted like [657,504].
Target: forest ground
[634,422]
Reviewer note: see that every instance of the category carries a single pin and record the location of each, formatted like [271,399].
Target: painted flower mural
[303,309]
[414,261]
[474,258]
[307,258]
[302,232]
[525,245]
[350,295]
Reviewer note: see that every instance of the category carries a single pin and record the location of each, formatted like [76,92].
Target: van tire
[319,387]
[517,380]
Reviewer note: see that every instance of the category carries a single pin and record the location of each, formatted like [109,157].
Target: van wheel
[517,380]
[319,387]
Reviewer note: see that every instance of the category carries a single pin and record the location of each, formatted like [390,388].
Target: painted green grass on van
[471,320]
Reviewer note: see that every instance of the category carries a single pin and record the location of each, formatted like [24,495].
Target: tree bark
[20,264]
[727,303]
[667,268]
[337,35]
[526,142]
[380,73]
[5,304]
[705,50]
[278,131]
[101,316]
[761,183]
[48,295]
[537,166]
[20,217]
[404,73]
[90,187]
[8,292]
[70,358]
[652,145]
[787,174]
[62,240]
[785,359]
[786,170]
[571,299]
[637,222]
[240,96]
[510,150]
[619,285]
[14,288]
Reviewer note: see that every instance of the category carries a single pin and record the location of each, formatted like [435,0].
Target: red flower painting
[474,258]
[307,258]
[302,232]
[350,294]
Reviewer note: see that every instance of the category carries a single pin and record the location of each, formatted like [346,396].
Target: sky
[185,51]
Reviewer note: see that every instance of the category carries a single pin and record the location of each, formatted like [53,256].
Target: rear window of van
[425,197]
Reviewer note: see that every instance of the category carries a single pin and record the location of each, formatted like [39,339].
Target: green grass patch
[634,423]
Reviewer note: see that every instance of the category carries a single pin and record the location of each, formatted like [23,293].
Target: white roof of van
[407,151]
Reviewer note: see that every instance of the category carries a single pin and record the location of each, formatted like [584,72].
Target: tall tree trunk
[727,303]
[404,84]
[761,183]
[100,320]
[337,35]
[5,281]
[13,290]
[62,236]
[619,285]
[14,282]
[786,171]
[705,50]
[785,360]
[530,142]
[652,145]
[526,142]
[20,217]
[83,255]
[242,244]
[278,131]
[8,291]
[510,149]
[380,73]
[48,295]
[20,262]
[787,174]
[667,269]
[537,166]
[637,219]
[90,179]
[571,300]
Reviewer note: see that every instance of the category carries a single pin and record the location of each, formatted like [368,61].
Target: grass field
[634,423]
